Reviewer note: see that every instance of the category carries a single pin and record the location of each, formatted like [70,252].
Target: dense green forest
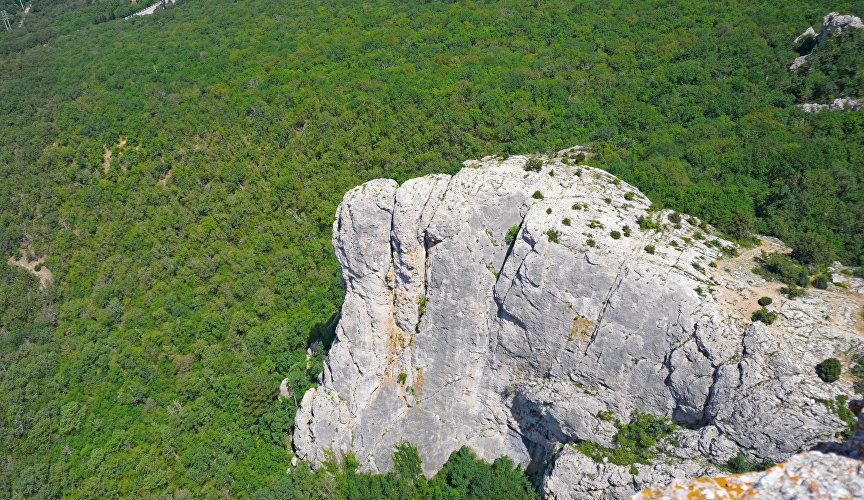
[180,173]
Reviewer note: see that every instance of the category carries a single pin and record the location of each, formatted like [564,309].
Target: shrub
[765,301]
[591,242]
[764,315]
[402,377]
[629,195]
[615,235]
[549,210]
[649,249]
[730,251]
[829,370]
[645,223]
[537,195]
[792,291]
[565,221]
[38,268]
[580,157]
[511,234]
[534,164]
[820,283]
[607,200]
[626,230]
[675,218]
[635,441]
[780,267]
[739,464]
[553,235]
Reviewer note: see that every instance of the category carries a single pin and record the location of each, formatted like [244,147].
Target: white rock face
[839,23]
[451,336]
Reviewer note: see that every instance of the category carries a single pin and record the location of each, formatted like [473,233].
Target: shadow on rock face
[540,431]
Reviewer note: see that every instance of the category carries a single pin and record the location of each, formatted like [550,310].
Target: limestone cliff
[515,310]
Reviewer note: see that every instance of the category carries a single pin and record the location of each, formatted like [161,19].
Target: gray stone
[450,336]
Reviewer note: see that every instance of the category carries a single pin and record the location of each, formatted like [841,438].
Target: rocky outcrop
[836,472]
[840,104]
[834,23]
[515,310]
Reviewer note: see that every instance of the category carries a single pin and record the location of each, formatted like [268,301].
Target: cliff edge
[531,305]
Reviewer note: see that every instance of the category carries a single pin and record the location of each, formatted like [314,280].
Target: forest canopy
[179,172]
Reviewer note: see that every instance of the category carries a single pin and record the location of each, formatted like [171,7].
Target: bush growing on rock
[534,164]
[635,441]
[645,223]
[739,464]
[820,282]
[553,235]
[675,218]
[537,195]
[511,234]
[829,370]
[792,291]
[650,249]
[566,221]
[615,235]
[765,301]
[764,315]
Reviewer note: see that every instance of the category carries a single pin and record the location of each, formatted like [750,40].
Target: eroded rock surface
[835,472]
[451,335]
